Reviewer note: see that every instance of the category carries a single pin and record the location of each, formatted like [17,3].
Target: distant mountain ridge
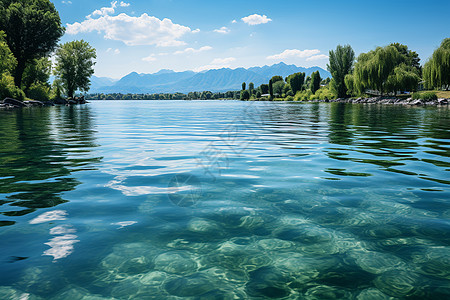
[217,80]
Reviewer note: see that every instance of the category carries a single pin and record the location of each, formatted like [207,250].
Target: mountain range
[220,80]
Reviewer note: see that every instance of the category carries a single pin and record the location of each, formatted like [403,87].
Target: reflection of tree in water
[39,150]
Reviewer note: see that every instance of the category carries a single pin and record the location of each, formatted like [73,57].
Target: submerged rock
[326,292]
[397,283]
[189,286]
[269,282]
[176,262]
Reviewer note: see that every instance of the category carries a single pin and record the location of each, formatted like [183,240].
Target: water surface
[225,200]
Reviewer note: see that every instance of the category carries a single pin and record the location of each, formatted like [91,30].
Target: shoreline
[386,100]
[9,103]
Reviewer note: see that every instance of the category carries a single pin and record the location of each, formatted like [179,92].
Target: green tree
[436,71]
[243,86]
[315,81]
[251,88]
[385,69]
[341,63]
[264,88]
[7,60]
[245,95]
[33,29]
[277,78]
[296,81]
[278,87]
[271,88]
[7,65]
[36,72]
[75,66]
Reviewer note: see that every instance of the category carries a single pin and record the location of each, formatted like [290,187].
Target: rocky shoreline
[390,100]
[9,103]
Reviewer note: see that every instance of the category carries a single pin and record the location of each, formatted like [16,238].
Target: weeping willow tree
[436,71]
[386,69]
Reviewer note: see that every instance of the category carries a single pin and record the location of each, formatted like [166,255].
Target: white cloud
[142,30]
[123,4]
[223,30]
[233,22]
[66,2]
[104,11]
[192,50]
[114,51]
[294,53]
[223,61]
[256,19]
[196,31]
[317,57]
[149,58]
[217,63]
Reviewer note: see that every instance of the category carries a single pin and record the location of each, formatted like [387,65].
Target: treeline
[205,95]
[385,71]
[29,34]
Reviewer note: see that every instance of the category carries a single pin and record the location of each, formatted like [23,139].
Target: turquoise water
[225,200]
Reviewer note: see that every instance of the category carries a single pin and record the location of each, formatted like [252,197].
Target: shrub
[289,98]
[8,89]
[427,96]
[39,91]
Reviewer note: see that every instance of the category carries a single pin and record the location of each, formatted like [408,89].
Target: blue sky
[148,35]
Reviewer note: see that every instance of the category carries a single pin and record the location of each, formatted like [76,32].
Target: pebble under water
[225,200]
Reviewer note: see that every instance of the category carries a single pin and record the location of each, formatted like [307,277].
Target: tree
[245,95]
[251,88]
[341,64]
[264,89]
[436,71]
[277,78]
[33,29]
[385,69]
[278,87]
[75,66]
[243,86]
[36,72]
[271,88]
[315,81]
[296,81]
[7,60]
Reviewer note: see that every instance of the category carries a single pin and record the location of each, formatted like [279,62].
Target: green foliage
[385,69]
[436,71]
[271,88]
[258,94]
[296,81]
[264,88]
[251,88]
[243,86]
[427,96]
[341,64]
[278,87]
[36,72]
[9,89]
[245,95]
[315,81]
[75,66]
[32,27]
[7,60]
[324,93]
[39,91]
[303,95]
[277,78]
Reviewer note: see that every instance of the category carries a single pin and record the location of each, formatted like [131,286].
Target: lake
[225,200]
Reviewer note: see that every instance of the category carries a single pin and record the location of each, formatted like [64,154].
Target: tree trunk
[19,73]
